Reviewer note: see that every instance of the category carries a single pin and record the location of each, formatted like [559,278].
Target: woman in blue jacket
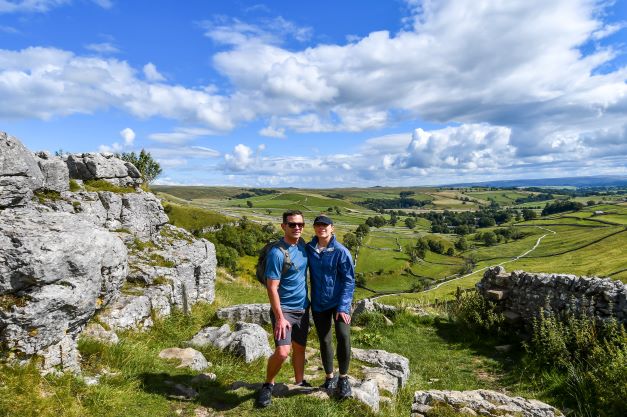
[332,286]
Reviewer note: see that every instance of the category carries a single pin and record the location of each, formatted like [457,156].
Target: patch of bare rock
[479,403]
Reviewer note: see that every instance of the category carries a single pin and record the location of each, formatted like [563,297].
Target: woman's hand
[346,318]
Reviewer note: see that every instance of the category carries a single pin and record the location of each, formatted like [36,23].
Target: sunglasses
[293,225]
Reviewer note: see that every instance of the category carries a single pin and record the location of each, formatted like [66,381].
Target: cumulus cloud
[151,73]
[41,83]
[241,158]
[128,135]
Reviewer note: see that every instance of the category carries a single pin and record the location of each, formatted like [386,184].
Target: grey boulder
[249,340]
[19,172]
[250,313]
[55,272]
[103,166]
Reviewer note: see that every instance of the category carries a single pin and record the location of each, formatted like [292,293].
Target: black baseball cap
[323,219]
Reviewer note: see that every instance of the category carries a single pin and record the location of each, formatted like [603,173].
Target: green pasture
[504,198]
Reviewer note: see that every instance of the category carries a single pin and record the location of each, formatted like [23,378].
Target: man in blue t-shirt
[289,304]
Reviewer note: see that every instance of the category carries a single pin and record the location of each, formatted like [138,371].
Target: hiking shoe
[343,389]
[330,383]
[304,384]
[264,398]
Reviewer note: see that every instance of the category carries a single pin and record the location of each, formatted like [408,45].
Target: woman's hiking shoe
[264,398]
[330,383]
[343,389]
[304,384]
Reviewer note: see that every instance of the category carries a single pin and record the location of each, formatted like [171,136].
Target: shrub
[591,354]
[477,313]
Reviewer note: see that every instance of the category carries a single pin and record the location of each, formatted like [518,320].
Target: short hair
[291,213]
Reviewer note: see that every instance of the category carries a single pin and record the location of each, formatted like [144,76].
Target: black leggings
[322,321]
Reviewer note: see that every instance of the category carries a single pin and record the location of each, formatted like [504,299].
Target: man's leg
[275,361]
[298,362]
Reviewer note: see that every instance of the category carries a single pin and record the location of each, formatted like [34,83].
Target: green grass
[102,185]
[194,218]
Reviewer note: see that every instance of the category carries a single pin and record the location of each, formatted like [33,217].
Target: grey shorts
[299,330]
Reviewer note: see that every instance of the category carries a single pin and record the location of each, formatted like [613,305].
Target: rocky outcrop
[249,340]
[522,295]
[55,271]
[19,173]
[67,256]
[250,313]
[391,372]
[479,402]
[54,170]
[140,213]
[103,166]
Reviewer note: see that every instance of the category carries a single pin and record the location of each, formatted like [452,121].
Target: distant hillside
[596,181]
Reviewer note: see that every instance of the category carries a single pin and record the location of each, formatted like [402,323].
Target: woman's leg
[343,335]
[322,321]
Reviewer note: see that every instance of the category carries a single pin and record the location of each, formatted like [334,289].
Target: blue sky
[324,93]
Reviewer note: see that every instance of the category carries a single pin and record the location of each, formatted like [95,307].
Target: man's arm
[280,329]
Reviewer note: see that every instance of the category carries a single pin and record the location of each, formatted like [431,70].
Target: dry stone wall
[522,294]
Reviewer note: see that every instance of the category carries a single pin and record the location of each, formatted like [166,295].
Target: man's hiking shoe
[304,384]
[330,383]
[343,389]
[265,395]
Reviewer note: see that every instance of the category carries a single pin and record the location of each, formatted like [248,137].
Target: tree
[351,241]
[489,238]
[461,244]
[145,164]
[410,222]
[249,203]
[529,214]
[393,219]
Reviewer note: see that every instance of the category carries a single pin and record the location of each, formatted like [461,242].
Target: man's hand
[346,318]
[281,328]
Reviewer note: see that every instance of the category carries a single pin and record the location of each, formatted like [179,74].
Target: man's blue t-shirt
[293,284]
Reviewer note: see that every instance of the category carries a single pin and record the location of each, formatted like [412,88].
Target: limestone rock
[366,391]
[55,172]
[19,172]
[484,402]
[56,271]
[139,213]
[394,365]
[189,358]
[249,340]
[103,166]
[251,313]
[97,332]
[128,312]
[367,305]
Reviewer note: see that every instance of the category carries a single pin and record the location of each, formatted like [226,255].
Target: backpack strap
[287,261]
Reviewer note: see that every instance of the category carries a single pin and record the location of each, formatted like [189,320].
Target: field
[587,242]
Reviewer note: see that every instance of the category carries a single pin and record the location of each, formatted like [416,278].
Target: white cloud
[151,73]
[28,6]
[180,135]
[232,31]
[241,158]
[46,82]
[128,135]
[102,48]
[272,132]
[105,4]
[184,152]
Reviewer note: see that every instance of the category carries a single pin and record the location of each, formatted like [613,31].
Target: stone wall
[522,294]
